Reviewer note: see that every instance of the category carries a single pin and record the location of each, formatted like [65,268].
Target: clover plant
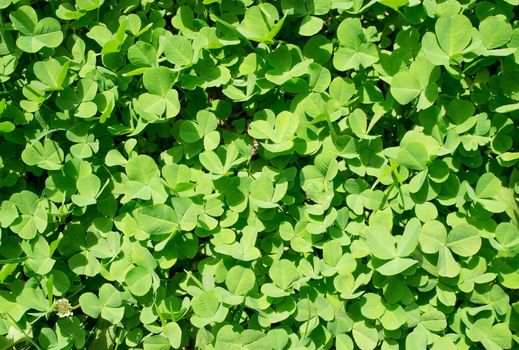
[248,174]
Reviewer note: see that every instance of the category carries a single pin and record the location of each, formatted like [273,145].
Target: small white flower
[63,308]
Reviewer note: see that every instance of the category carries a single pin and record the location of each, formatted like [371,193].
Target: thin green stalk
[24,333]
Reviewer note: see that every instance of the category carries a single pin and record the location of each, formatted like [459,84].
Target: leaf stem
[24,333]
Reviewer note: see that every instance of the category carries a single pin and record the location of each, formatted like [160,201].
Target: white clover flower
[63,308]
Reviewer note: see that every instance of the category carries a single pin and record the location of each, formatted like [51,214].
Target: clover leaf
[35,34]
[292,174]
[107,304]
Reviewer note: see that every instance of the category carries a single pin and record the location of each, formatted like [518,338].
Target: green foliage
[245,174]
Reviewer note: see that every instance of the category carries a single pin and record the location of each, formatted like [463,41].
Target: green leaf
[260,23]
[88,188]
[178,50]
[205,305]
[381,243]
[495,31]
[158,219]
[432,237]
[433,320]
[173,332]
[492,337]
[47,33]
[70,328]
[432,50]
[292,174]
[152,104]
[318,48]
[343,342]
[508,108]
[358,123]
[413,156]
[393,318]
[405,87]
[89,5]
[447,266]
[107,305]
[371,306]
[396,266]
[47,156]
[464,240]
[90,304]
[488,186]
[24,19]
[212,162]
[159,81]
[342,89]
[6,127]
[394,4]
[506,238]
[142,168]
[283,273]
[142,54]
[350,33]
[138,280]
[346,58]
[365,336]
[409,240]
[310,25]
[332,253]
[454,33]
[460,110]
[240,280]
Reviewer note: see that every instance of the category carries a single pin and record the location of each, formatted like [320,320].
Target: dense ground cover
[240,174]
